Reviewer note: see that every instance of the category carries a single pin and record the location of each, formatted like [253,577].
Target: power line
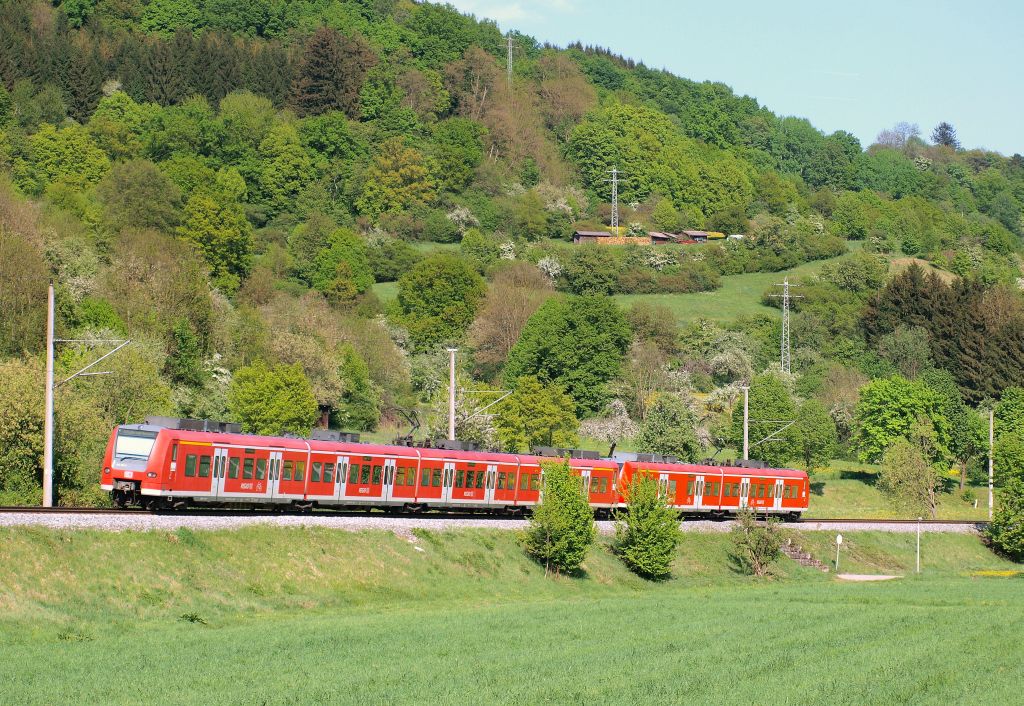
[511,45]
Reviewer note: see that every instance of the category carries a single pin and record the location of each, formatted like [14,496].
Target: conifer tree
[331,73]
[646,537]
[83,83]
[945,134]
[562,526]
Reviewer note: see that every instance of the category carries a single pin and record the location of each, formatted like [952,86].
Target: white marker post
[918,545]
[839,543]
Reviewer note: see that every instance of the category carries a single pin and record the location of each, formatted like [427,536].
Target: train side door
[585,483]
[389,478]
[447,481]
[341,477]
[273,475]
[744,492]
[698,493]
[220,464]
[663,489]
[489,483]
[779,483]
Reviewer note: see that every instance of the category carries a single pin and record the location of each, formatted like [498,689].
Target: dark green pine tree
[183,47]
[331,73]
[83,83]
[945,134]
[129,58]
[269,71]
[218,66]
[163,83]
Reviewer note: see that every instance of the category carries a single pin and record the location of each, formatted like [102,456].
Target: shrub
[1006,531]
[562,526]
[756,544]
[647,536]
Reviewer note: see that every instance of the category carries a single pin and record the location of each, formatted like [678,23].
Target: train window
[314,472]
[400,476]
[353,473]
[425,478]
[501,481]
[174,452]
[300,470]
[376,474]
[671,488]
[364,474]
[328,473]
[247,469]
[535,481]
[760,491]
[689,488]
[479,479]
[524,481]
[261,469]
[410,478]
[190,465]
[435,479]
[771,490]
[287,474]
[233,468]
[460,478]
[204,466]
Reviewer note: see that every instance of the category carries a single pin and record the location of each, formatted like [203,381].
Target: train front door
[744,492]
[663,488]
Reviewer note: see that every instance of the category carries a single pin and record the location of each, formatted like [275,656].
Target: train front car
[131,464]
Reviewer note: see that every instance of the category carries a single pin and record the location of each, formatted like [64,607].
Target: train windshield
[134,443]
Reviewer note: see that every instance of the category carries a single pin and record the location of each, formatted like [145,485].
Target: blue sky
[858,66]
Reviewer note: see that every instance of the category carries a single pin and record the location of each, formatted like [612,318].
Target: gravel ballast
[402,525]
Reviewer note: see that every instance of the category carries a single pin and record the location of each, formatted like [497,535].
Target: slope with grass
[273,615]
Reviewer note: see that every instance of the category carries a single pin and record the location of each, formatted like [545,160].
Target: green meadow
[275,615]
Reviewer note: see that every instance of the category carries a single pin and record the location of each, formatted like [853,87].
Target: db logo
[259,486]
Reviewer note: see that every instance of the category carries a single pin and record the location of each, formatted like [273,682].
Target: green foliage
[647,535]
[561,528]
[770,408]
[669,428]
[167,16]
[815,434]
[137,194]
[389,258]
[437,300]
[345,248]
[68,156]
[359,407]
[400,178]
[219,229]
[270,400]
[535,415]
[1006,530]
[575,342]
[330,73]
[756,544]
[1008,456]
[185,356]
[888,410]
[909,476]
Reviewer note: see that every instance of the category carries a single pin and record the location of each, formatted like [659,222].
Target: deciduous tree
[269,400]
[670,429]
[535,415]
[437,299]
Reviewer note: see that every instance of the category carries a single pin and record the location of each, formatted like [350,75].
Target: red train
[161,464]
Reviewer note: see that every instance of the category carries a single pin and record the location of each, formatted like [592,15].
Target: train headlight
[151,475]
[106,471]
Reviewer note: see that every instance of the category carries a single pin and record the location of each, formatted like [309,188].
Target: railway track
[439,515]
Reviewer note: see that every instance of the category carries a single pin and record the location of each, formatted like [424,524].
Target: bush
[562,526]
[647,536]
[1006,531]
[756,544]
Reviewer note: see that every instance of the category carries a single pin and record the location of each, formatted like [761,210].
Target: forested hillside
[293,208]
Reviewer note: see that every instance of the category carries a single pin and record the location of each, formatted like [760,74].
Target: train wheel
[120,501]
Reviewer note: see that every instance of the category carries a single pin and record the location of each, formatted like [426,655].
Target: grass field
[266,615]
